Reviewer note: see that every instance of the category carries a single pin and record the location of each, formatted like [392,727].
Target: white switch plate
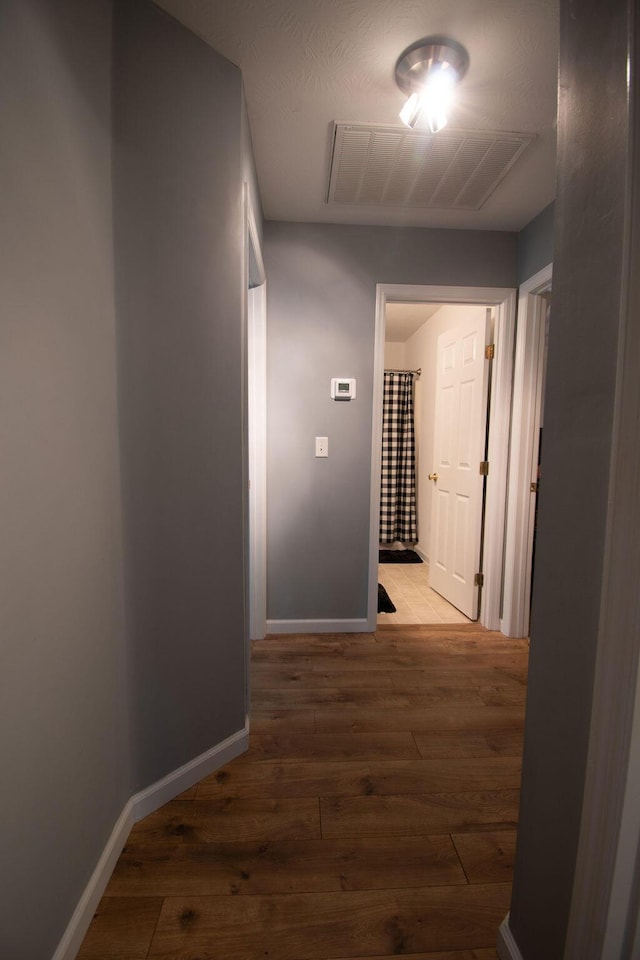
[322,446]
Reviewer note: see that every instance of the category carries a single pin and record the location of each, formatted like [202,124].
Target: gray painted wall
[63,695]
[249,172]
[587,297]
[91,711]
[321,316]
[535,244]
[179,235]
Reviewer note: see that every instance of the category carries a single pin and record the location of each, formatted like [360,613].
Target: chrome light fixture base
[413,66]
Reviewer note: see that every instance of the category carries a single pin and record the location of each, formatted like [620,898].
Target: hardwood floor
[373,816]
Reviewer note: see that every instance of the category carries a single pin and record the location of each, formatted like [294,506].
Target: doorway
[528,396]
[435,344]
[503,302]
[255,427]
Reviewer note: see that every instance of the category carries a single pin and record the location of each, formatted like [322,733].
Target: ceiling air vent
[376,165]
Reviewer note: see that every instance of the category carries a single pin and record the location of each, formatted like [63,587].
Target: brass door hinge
[534,486]
[484,468]
[478,580]
[490,351]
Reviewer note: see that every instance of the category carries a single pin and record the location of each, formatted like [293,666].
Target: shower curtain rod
[417,372]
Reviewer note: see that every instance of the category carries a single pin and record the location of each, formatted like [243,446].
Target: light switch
[322,446]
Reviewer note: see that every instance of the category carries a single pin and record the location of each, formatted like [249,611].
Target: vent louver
[375,165]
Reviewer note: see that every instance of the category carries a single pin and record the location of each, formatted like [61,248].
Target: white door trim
[135,809]
[257,389]
[504,301]
[506,946]
[525,425]
[256,327]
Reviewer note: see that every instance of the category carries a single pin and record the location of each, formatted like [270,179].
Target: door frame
[255,425]
[525,426]
[503,299]
[257,390]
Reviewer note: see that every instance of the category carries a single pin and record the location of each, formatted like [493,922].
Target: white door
[462,377]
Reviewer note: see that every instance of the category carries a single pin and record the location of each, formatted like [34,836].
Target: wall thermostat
[343,388]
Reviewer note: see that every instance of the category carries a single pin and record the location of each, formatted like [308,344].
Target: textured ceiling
[309,63]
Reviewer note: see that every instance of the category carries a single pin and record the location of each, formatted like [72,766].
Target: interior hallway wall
[535,244]
[589,298]
[63,680]
[96,704]
[179,240]
[321,318]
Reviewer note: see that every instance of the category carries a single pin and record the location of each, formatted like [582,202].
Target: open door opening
[448,343]
[538,430]
[255,533]
[525,462]
[257,433]
[455,530]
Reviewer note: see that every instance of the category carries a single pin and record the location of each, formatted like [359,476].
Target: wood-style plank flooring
[373,816]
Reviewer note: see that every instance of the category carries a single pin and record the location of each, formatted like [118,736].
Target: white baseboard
[421,554]
[507,947]
[184,777]
[88,903]
[318,626]
[139,806]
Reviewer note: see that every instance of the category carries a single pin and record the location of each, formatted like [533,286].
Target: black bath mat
[384,603]
[398,556]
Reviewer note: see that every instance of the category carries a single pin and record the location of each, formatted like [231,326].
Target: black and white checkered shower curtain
[398,482]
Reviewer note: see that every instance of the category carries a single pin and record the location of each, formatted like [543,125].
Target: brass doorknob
[433,476]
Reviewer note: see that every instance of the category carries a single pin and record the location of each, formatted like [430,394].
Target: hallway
[374,813]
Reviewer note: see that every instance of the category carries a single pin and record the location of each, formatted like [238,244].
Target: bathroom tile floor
[408,587]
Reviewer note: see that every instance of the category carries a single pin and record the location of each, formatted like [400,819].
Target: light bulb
[437,97]
[428,107]
[411,110]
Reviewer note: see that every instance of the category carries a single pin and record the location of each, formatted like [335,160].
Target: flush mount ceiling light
[428,72]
